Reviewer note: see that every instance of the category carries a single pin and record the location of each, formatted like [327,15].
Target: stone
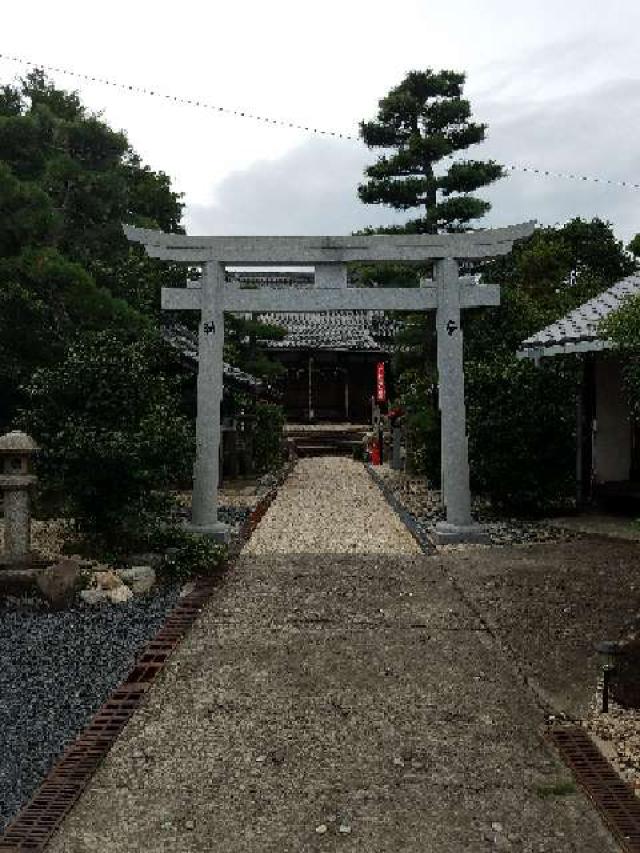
[445,533]
[139,579]
[107,580]
[93,596]
[151,558]
[16,480]
[321,829]
[448,294]
[119,595]
[187,589]
[58,582]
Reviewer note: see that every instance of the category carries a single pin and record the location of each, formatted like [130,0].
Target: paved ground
[333,701]
[551,603]
[601,524]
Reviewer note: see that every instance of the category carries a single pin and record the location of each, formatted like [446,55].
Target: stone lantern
[16,478]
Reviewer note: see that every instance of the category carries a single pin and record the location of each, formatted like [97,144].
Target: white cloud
[536,73]
[312,189]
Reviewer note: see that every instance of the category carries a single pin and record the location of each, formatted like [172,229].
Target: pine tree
[426,119]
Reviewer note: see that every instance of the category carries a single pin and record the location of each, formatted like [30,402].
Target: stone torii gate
[447,293]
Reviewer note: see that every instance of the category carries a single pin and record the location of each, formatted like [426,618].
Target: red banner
[381,391]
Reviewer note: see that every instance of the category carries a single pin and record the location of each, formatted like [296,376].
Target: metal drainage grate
[615,800]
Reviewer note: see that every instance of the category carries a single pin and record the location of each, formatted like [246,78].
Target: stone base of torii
[447,294]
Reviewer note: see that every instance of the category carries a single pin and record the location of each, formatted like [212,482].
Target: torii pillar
[448,293]
[456,493]
[206,473]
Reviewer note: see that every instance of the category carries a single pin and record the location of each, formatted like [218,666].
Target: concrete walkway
[333,701]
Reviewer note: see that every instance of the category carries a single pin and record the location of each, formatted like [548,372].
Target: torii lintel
[405,248]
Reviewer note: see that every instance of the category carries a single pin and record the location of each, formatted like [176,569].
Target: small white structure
[447,294]
[608,441]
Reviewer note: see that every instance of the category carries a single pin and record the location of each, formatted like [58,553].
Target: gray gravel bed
[56,669]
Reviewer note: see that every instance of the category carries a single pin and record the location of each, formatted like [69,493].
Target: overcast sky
[557,81]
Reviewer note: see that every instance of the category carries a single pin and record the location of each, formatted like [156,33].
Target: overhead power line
[278,122]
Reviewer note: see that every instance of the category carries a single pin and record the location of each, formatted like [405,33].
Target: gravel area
[57,669]
[618,736]
[330,505]
[424,504]
[329,701]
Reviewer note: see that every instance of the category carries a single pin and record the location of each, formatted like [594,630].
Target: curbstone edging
[406,517]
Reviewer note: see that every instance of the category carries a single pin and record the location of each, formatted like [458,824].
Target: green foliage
[559,268]
[242,346]
[112,434]
[189,556]
[67,183]
[267,437]
[359,454]
[556,789]
[521,431]
[417,393]
[26,214]
[634,246]
[623,328]
[521,418]
[424,119]
[45,300]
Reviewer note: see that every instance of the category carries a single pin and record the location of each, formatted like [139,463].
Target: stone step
[322,450]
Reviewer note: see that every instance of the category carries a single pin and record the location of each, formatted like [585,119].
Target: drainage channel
[616,802]
[36,822]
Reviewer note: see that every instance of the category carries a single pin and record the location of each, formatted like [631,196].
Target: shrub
[112,435]
[192,555]
[422,425]
[267,439]
[521,422]
[623,328]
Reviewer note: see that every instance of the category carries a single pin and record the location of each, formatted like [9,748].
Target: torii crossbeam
[448,293]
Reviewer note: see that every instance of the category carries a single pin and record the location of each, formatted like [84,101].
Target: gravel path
[330,505]
[333,701]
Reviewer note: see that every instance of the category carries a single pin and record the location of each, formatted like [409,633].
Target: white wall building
[608,440]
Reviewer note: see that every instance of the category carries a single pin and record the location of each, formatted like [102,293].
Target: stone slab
[219,532]
[452,534]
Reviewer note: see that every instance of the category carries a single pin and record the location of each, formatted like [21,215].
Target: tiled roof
[186,342]
[578,330]
[332,330]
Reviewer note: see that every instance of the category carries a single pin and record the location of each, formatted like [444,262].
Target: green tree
[113,438]
[521,417]
[634,246]
[67,183]
[424,120]
[623,328]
